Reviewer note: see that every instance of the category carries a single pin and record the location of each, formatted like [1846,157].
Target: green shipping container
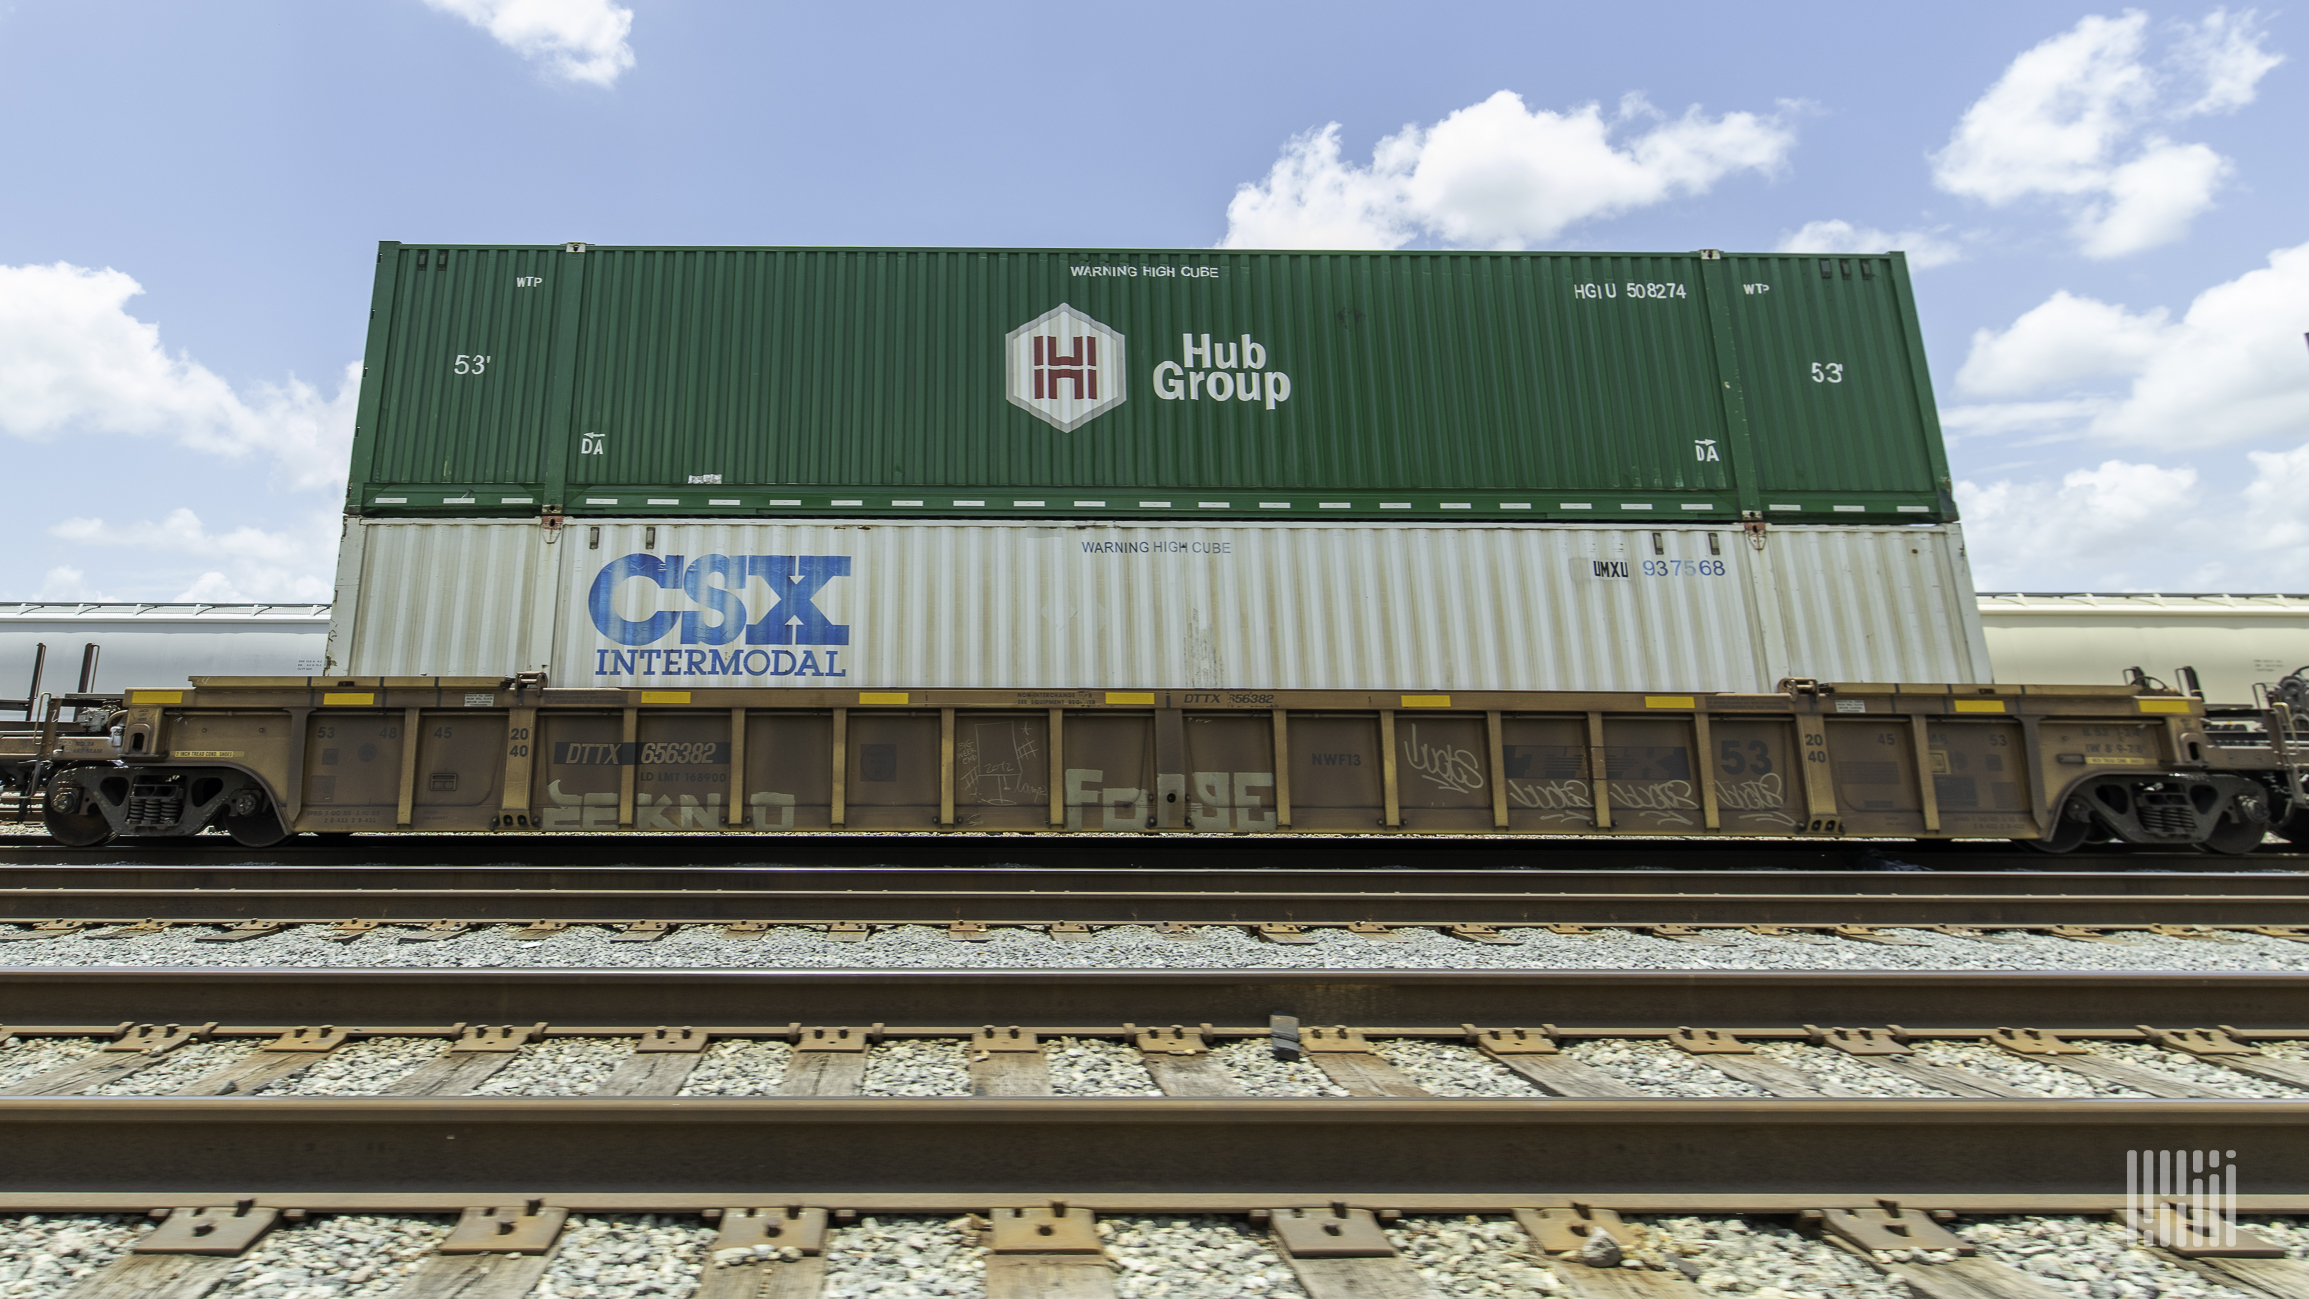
[592,380]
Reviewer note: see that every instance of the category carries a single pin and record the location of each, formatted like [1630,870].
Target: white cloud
[576,40]
[2224,54]
[2125,526]
[2058,342]
[2230,369]
[2277,502]
[73,361]
[1497,175]
[2150,200]
[242,564]
[65,582]
[1925,249]
[2098,525]
[2074,119]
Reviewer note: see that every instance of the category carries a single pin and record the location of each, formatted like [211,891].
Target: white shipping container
[1365,606]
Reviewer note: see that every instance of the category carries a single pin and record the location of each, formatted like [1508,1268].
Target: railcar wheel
[71,822]
[2243,824]
[2069,833]
[253,821]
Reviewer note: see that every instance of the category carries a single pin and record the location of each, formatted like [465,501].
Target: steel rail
[963,849]
[1411,1000]
[1223,1154]
[788,1149]
[705,895]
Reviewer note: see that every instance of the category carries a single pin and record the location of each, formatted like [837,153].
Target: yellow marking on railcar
[156,696]
[1979,705]
[2162,705]
[872,697]
[1426,701]
[349,698]
[665,696]
[1670,701]
[1129,698]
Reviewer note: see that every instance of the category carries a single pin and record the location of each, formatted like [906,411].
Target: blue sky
[2108,208]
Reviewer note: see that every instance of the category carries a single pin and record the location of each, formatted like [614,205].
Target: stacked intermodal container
[1024,469]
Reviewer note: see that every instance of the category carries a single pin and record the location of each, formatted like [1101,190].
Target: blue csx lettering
[717,584]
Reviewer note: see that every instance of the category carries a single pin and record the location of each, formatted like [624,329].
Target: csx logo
[720,587]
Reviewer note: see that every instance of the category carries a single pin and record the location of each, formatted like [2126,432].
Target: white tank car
[156,644]
[2233,641]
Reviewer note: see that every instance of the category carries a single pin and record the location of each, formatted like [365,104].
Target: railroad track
[1345,853]
[1284,905]
[1569,1137]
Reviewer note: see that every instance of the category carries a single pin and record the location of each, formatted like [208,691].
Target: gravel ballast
[355,1256]
[368,1067]
[174,1069]
[1474,1255]
[43,1255]
[923,1066]
[642,1256]
[2089,1259]
[739,1067]
[1252,1064]
[905,1258]
[1141,947]
[559,1066]
[2019,1071]
[1091,1066]
[1178,1258]
[29,1057]
[617,1256]
[1761,1257]
[1851,1073]
[1657,1069]
[1450,1069]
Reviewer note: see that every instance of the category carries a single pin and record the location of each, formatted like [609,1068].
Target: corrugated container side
[1241,606]
[1879,604]
[1828,346]
[446,602]
[839,382]
[464,383]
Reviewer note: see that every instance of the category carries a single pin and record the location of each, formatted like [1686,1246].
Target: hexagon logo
[1064,368]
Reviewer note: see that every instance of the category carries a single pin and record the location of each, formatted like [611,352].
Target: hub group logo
[1065,368]
[762,608]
